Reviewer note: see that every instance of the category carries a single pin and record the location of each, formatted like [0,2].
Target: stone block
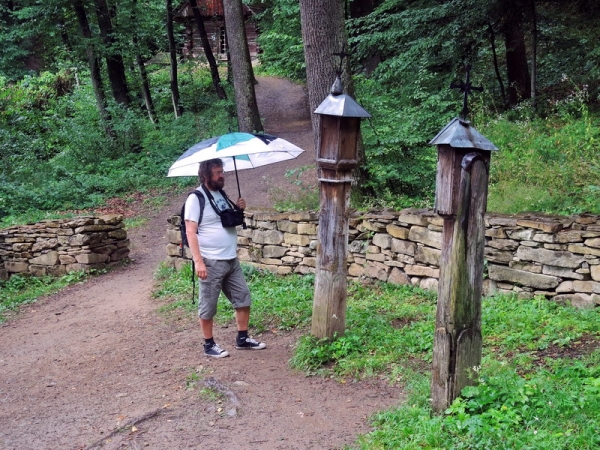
[284,270]
[584,250]
[580,301]
[376,272]
[271,261]
[595,242]
[503,244]
[118,234]
[272,237]
[119,255]
[430,284]
[425,236]
[521,235]
[22,247]
[357,246]
[403,247]
[549,257]
[397,231]
[66,259]
[47,259]
[355,270]
[382,240]
[562,272]
[498,256]
[397,276]
[273,251]
[309,261]
[410,217]
[173,236]
[527,267]
[520,277]
[307,228]
[294,239]
[565,287]
[91,258]
[38,271]
[497,233]
[287,226]
[547,227]
[428,255]
[422,271]
[45,244]
[376,257]
[586,286]
[502,221]
[105,249]
[595,272]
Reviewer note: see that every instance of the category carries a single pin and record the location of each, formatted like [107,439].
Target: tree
[94,63]
[214,70]
[241,68]
[323,33]
[114,60]
[173,59]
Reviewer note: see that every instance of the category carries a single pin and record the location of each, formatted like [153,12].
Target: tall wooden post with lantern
[461,200]
[337,156]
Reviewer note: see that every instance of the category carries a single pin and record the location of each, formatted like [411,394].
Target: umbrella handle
[236,178]
[238,185]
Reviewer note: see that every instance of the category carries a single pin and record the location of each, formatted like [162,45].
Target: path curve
[95,366]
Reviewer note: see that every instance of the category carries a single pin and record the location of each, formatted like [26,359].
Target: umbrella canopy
[237,150]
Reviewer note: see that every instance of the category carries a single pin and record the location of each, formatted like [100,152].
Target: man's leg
[242,318]
[207,328]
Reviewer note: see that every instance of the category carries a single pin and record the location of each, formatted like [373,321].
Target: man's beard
[216,185]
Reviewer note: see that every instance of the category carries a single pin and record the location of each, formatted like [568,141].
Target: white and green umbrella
[237,150]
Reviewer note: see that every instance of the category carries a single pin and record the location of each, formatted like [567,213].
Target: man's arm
[191,231]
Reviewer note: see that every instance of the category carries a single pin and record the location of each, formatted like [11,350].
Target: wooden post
[336,158]
[461,199]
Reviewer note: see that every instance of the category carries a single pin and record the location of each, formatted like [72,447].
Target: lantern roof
[339,104]
[460,134]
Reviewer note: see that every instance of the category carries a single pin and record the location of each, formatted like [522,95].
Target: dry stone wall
[55,247]
[527,254]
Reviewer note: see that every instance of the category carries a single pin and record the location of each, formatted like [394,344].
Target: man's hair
[205,170]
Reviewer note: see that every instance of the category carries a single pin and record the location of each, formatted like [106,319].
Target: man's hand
[201,269]
[241,203]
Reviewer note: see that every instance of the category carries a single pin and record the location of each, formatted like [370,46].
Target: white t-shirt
[215,241]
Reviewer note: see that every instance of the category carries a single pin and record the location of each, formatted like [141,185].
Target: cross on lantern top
[466,88]
[342,55]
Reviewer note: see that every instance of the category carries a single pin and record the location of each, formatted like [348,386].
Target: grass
[538,383]
[20,290]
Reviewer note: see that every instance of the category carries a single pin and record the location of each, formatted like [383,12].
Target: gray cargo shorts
[226,276]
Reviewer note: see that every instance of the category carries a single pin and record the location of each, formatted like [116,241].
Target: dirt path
[96,367]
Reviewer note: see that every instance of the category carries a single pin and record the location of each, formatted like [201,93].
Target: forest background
[537,62]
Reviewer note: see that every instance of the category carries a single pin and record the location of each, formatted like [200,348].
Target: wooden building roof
[208,8]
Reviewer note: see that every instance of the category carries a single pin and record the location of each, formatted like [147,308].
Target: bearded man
[214,252]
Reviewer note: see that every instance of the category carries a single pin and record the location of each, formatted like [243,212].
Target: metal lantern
[454,142]
[340,125]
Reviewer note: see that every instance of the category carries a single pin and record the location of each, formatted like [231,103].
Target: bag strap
[202,202]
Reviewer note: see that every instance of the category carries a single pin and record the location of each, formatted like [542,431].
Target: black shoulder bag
[230,217]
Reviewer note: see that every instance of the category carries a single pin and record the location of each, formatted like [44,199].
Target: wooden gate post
[461,199]
[337,156]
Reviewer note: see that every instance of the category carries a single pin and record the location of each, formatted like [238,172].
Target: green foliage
[278,302]
[19,290]
[280,41]
[302,195]
[546,164]
[55,153]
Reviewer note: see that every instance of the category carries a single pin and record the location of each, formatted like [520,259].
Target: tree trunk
[534,42]
[142,68]
[173,57]
[517,70]
[241,67]
[214,71]
[496,68]
[114,61]
[94,63]
[323,34]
